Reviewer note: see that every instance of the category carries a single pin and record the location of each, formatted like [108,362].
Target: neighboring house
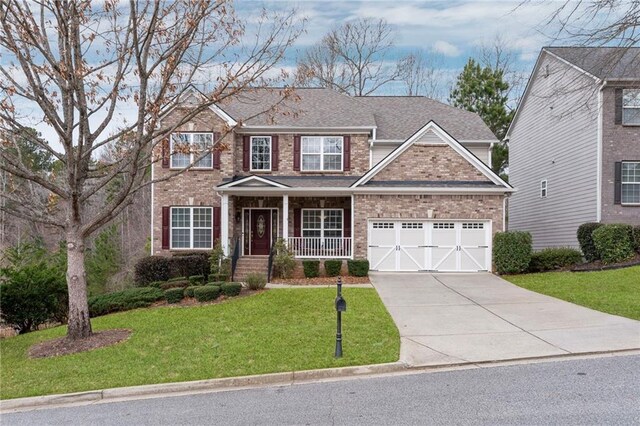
[574,144]
[402,181]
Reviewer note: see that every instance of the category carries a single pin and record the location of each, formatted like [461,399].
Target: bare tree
[419,73]
[76,63]
[498,55]
[352,59]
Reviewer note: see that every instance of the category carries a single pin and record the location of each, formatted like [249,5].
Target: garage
[428,245]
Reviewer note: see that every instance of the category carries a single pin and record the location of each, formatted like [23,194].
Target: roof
[308,107]
[303,181]
[432,183]
[398,117]
[606,63]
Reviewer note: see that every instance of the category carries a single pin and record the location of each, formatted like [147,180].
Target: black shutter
[618,119]
[166,155]
[216,224]
[297,222]
[166,213]
[347,153]
[216,150]
[246,148]
[296,153]
[275,153]
[617,198]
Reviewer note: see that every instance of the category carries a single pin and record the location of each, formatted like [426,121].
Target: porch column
[353,225]
[224,223]
[285,218]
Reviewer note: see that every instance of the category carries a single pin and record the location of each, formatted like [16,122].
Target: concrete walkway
[459,318]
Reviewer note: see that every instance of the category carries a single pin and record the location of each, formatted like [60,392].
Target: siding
[382,150]
[555,138]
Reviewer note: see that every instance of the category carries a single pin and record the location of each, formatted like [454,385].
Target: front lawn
[278,330]
[615,292]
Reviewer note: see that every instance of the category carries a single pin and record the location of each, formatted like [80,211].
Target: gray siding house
[574,144]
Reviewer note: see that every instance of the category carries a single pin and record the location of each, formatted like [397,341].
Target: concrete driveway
[459,318]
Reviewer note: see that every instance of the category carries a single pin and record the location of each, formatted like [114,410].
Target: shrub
[311,268]
[156,284]
[206,293]
[636,238]
[188,264]
[554,258]
[358,267]
[220,265]
[188,292]
[174,295]
[256,281]
[284,261]
[178,279]
[33,295]
[175,284]
[512,252]
[196,279]
[218,283]
[124,300]
[150,269]
[332,267]
[585,240]
[231,289]
[613,242]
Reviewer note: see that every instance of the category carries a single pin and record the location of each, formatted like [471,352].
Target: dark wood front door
[260,232]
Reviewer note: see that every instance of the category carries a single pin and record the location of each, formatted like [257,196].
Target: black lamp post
[341,306]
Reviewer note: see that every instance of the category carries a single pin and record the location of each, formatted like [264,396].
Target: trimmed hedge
[196,279]
[124,300]
[332,267]
[585,240]
[231,289]
[636,238]
[256,281]
[512,252]
[311,268]
[554,258]
[175,284]
[151,269]
[174,295]
[614,242]
[206,293]
[188,264]
[178,279]
[358,267]
[188,292]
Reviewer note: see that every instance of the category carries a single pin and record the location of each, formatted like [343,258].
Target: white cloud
[446,48]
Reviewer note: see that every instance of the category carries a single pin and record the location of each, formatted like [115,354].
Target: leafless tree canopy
[419,73]
[500,56]
[73,64]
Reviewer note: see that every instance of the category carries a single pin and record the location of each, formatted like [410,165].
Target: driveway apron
[461,318]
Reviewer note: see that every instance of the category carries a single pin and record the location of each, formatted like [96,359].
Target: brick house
[401,181]
[574,144]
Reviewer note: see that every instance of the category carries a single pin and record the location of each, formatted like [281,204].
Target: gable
[252,181]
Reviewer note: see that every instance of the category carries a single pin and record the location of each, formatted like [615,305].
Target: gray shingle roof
[603,62]
[396,117]
[399,117]
[307,181]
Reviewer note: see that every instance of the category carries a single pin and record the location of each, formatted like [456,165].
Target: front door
[260,232]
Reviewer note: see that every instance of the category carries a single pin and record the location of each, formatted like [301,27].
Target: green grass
[278,330]
[615,292]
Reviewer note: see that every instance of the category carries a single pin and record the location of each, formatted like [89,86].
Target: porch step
[249,265]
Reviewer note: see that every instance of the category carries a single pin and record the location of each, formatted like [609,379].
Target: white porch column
[285,218]
[353,225]
[224,223]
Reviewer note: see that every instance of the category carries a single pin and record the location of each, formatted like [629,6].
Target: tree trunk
[79,325]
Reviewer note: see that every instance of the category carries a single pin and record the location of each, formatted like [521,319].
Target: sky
[447,31]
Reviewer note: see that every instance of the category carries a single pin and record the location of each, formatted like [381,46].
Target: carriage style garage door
[428,245]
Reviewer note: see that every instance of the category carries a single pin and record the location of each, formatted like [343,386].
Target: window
[260,153]
[543,188]
[191,228]
[322,223]
[383,225]
[443,226]
[411,225]
[631,106]
[321,153]
[473,225]
[187,147]
[630,183]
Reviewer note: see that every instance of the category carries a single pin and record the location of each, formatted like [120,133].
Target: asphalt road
[588,391]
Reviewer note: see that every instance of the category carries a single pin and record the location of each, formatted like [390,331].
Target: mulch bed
[322,280]
[66,346]
[599,266]
[191,301]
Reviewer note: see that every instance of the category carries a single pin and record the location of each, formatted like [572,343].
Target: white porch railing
[318,247]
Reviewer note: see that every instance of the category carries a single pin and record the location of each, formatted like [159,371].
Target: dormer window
[322,153]
[188,147]
[631,107]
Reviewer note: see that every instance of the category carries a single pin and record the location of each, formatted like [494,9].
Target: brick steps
[249,265]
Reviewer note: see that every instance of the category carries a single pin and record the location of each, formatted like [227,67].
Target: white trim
[448,139]
[285,218]
[251,178]
[622,183]
[191,228]
[321,229]
[192,156]
[574,66]
[364,190]
[629,107]
[152,208]
[242,235]
[544,186]
[251,153]
[216,109]
[478,141]
[599,153]
[353,228]
[246,129]
[224,223]
[322,154]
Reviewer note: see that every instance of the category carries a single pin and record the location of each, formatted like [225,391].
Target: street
[586,391]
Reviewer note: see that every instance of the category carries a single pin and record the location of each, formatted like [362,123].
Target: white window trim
[628,107]
[322,154]
[544,186]
[191,228]
[322,210]
[622,183]
[251,154]
[192,156]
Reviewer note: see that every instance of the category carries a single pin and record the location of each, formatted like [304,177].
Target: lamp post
[341,306]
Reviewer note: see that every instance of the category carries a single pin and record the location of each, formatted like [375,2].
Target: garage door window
[323,223]
[411,225]
[473,225]
[382,225]
[443,225]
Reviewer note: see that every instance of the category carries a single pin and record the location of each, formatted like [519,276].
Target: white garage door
[422,245]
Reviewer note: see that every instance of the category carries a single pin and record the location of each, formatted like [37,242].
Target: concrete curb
[276,285]
[282,379]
